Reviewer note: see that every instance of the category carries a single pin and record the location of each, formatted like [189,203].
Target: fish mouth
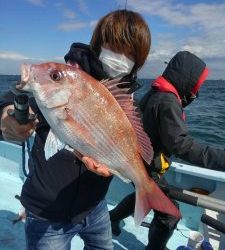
[21,87]
[26,70]
[26,73]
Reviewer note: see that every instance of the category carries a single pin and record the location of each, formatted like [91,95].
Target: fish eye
[56,75]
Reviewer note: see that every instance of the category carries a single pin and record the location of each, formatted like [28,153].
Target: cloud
[12,55]
[10,62]
[71,26]
[196,27]
[93,23]
[58,58]
[83,7]
[68,13]
[177,13]
[72,22]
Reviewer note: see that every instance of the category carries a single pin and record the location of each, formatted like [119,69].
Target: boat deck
[12,235]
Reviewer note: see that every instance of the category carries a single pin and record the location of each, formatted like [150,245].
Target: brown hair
[125,32]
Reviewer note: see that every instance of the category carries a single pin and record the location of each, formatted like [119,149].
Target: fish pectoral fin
[52,145]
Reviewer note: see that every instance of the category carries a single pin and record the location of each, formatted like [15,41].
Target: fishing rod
[22,115]
[21,105]
[194,199]
[210,221]
[21,109]
[198,200]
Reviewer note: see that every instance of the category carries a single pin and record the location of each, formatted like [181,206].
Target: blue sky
[42,30]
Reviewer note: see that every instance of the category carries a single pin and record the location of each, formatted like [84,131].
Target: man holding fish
[79,115]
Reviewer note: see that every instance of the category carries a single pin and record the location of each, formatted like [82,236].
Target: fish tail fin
[151,197]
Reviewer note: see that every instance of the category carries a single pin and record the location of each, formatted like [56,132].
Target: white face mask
[116,65]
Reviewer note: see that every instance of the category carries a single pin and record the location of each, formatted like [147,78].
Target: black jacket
[62,188]
[163,116]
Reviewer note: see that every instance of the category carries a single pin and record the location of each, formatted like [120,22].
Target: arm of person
[177,141]
[95,167]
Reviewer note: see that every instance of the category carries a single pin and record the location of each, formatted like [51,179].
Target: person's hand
[12,131]
[93,166]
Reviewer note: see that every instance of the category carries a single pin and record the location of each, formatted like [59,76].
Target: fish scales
[108,125]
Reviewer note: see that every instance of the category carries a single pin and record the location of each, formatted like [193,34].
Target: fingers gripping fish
[98,120]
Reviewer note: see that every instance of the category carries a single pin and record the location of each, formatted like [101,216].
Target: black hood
[87,59]
[183,72]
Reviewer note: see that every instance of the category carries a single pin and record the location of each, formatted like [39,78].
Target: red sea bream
[98,120]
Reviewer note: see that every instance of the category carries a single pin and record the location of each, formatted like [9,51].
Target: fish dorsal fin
[127,104]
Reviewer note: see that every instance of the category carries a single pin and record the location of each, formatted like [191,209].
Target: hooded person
[163,113]
[164,122]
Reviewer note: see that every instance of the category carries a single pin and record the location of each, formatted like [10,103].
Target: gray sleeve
[176,139]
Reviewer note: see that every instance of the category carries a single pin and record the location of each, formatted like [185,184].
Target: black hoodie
[163,116]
